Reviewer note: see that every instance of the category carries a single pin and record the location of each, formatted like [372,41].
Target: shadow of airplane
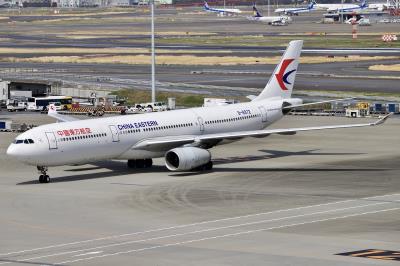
[6,261]
[272,154]
[262,169]
[118,168]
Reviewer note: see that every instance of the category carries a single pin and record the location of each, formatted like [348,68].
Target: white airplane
[341,7]
[295,10]
[221,11]
[182,137]
[268,19]
[381,6]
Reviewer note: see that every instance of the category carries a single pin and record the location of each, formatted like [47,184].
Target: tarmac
[131,30]
[280,200]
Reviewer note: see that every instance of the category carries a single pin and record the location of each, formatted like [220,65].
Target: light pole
[341,13]
[153,56]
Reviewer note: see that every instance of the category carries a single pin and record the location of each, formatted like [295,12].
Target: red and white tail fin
[280,84]
[52,109]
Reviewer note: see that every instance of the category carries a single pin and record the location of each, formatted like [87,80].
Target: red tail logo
[281,76]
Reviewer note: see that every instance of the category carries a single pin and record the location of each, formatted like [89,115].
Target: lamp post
[153,56]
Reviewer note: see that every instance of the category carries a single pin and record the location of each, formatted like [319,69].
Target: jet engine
[187,158]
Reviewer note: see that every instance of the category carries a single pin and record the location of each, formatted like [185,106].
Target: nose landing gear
[43,178]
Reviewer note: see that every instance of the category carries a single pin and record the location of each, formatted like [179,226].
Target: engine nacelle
[188,158]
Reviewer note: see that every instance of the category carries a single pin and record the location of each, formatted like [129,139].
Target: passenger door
[51,138]
[201,124]
[114,133]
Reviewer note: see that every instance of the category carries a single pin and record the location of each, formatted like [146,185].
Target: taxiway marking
[199,231]
[222,236]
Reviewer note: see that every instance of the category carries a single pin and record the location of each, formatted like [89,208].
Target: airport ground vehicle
[41,103]
[183,137]
[15,106]
[152,107]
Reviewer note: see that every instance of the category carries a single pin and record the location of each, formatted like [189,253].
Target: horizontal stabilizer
[315,103]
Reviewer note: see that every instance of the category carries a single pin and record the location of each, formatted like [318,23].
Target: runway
[289,200]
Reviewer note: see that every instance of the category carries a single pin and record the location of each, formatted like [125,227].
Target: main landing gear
[43,178]
[140,163]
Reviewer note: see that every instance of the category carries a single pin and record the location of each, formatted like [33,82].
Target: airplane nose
[12,151]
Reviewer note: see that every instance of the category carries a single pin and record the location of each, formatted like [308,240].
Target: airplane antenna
[153,56]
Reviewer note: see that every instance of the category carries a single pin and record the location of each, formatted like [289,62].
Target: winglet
[382,120]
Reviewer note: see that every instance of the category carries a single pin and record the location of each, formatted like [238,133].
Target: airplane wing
[157,144]
[63,118]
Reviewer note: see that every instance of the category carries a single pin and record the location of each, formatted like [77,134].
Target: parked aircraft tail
[256,12]
[282,80]
[363,4]
[206,6]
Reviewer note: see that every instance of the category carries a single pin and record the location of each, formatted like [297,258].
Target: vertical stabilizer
[282,80]
[256,13]
[206,6]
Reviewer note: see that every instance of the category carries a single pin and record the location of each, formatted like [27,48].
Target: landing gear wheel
[140,163]
[131,163]
[148,163]
[44,177]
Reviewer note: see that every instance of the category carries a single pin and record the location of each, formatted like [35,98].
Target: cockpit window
[25,141]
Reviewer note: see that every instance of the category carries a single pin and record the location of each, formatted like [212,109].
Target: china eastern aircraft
[221,11]
[182,137]
[268,19]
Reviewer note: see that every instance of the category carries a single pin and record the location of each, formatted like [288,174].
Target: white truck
[152,107]
[217,102]
[15,106]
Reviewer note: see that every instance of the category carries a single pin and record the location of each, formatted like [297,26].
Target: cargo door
[51,138]
[114,133]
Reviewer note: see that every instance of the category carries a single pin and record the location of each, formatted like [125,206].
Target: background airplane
[341,7]
[361,6]
[268,19]
[295,10]
[221,11]
[183,137]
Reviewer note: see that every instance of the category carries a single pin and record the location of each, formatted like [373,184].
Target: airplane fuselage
[83,141]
